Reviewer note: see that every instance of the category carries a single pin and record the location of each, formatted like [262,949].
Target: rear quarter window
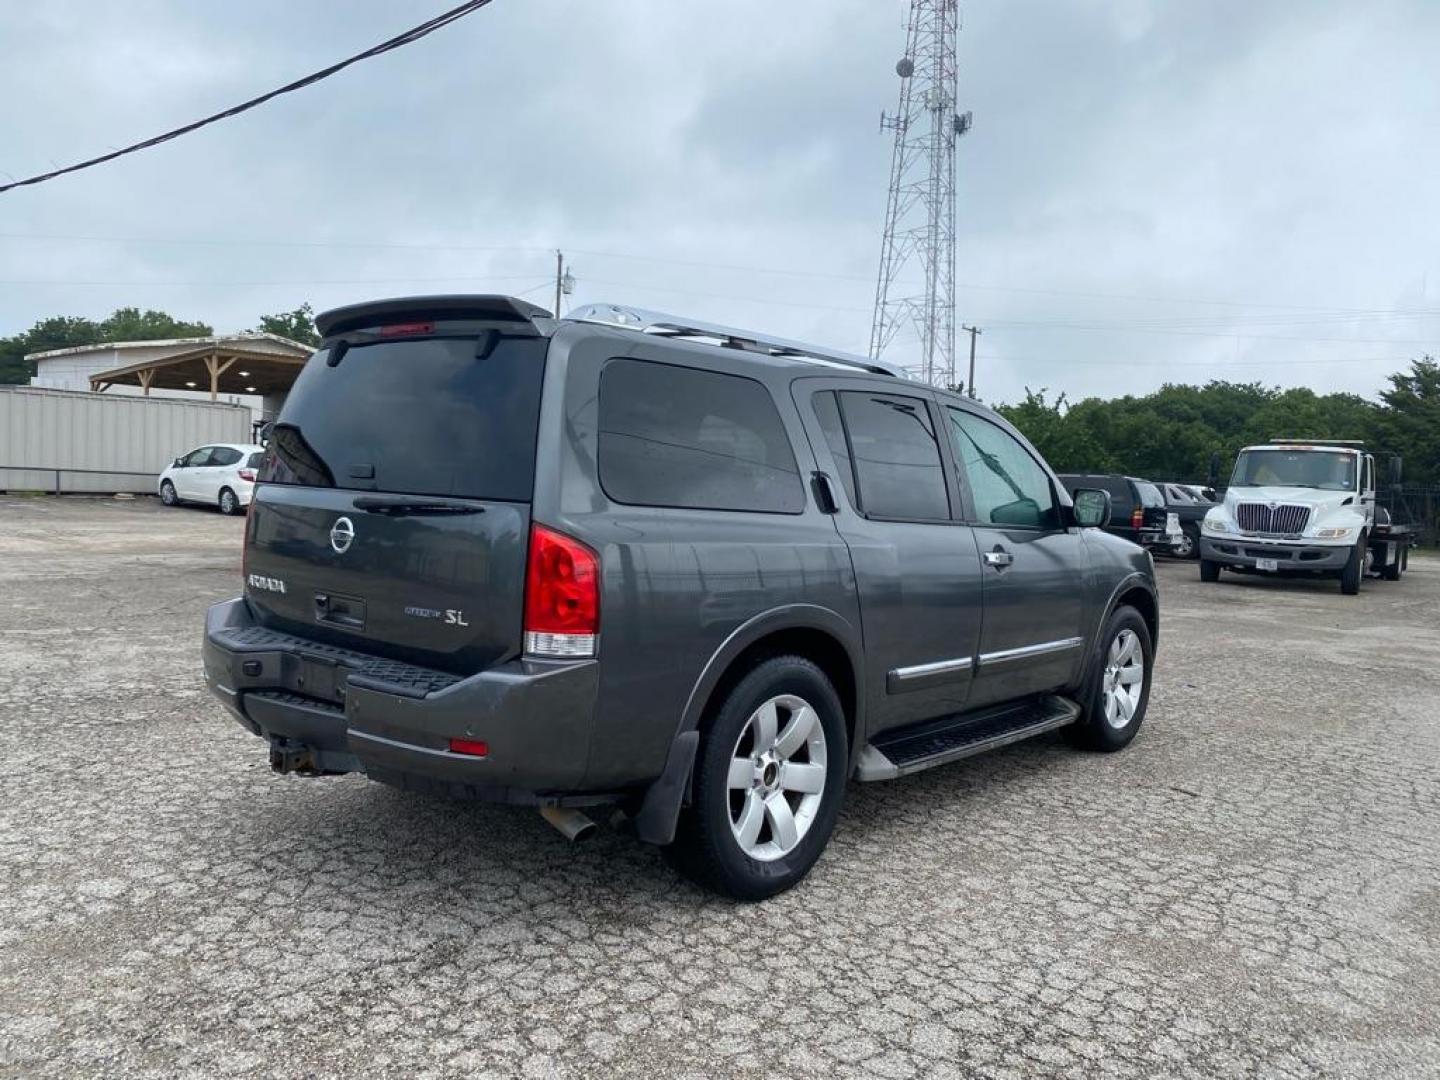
[681,437]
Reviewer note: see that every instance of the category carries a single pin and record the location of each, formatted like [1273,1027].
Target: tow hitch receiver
[287,756]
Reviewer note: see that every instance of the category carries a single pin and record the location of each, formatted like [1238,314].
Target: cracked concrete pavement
[1253,888]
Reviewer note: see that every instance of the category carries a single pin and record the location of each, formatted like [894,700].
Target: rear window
[1150,495]
[254,460]
[675,436]
[421,416]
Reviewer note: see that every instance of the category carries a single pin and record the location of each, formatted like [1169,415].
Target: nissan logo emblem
[342,535]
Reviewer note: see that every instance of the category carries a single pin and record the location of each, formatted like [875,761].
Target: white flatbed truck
[1305,506]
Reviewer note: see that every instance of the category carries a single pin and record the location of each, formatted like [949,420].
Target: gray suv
[628,561]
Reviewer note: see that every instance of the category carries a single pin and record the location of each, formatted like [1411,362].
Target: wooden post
[216,369]
[146,378]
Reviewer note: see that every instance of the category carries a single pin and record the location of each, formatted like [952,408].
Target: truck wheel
[1354,570]
[1188,546]
[769,780]
[1209,570]
[1119,690]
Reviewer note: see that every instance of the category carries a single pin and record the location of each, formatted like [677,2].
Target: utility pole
[920,211]
[559,278]
[974,332]
[564,281]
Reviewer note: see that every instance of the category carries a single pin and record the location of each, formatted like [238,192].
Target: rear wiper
[415,504]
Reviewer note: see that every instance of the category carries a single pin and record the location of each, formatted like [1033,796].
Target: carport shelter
[218,366]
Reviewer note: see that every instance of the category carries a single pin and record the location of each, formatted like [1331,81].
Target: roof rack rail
[676,326]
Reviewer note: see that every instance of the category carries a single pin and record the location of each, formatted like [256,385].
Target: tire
[167,494]
[1113,710]
[229,502]
[733,838]
[1354,570]
[1188,546]
[1209,570]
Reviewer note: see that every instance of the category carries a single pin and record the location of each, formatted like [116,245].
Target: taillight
[562,596]
[408,329]
[1137,518]
[248,475]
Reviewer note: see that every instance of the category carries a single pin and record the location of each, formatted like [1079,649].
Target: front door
[187,477]
[917,572]
[1031,565]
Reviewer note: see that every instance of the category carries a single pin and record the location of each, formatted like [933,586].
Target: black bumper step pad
[373,672]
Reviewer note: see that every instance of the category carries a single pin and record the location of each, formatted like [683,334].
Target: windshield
[423,416]
[1326,470]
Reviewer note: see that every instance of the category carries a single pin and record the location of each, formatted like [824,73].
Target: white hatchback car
[222,474]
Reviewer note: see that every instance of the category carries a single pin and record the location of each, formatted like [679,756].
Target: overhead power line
[399,41]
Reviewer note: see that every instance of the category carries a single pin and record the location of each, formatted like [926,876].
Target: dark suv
[1137,507]
[628,560]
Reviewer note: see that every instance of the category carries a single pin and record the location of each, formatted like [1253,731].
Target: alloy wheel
[1124,678]
[777,777]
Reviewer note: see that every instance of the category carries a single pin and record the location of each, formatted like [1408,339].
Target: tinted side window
[196,458]
[225,455]
[896,456]
[1007,485]
[674,436]
[827,409]
[253,462]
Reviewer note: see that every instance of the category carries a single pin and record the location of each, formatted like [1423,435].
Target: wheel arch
[1137,591]
[816,633]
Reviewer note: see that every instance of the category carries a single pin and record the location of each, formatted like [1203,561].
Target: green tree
[69,331]
[132,324]
[297,325]
[59,332]
[1410,423]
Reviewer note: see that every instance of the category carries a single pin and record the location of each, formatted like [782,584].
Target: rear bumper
[343,711]
[1246,553]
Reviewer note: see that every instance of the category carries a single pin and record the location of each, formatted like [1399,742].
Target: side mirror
[179,462]
[1092,507]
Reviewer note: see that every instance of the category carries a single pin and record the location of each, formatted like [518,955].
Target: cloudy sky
[1153,191]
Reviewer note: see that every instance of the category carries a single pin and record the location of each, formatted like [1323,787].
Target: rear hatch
[393,510]
[1152,505]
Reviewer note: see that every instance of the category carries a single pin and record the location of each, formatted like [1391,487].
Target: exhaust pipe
[574,825]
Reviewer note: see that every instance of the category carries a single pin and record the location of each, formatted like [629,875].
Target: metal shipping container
[44,433]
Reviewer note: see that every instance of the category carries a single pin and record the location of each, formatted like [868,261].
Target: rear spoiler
[498,309]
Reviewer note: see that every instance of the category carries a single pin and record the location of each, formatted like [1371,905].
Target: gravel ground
[1253,888]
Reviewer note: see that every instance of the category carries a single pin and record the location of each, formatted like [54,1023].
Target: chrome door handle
[998,558]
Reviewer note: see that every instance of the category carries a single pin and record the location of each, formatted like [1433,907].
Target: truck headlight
[1211,525]
[1333,534]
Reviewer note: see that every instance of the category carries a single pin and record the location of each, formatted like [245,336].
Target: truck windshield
[1326,470]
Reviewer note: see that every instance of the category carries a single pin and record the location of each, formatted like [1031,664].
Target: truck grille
[1260,519]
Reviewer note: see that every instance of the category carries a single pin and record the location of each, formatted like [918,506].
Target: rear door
[219,472]
[916,569]
[1032,566]
[393,511]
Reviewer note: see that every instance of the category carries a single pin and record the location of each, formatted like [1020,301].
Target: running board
[936,742]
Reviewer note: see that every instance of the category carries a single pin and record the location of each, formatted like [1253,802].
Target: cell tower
[920,215]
